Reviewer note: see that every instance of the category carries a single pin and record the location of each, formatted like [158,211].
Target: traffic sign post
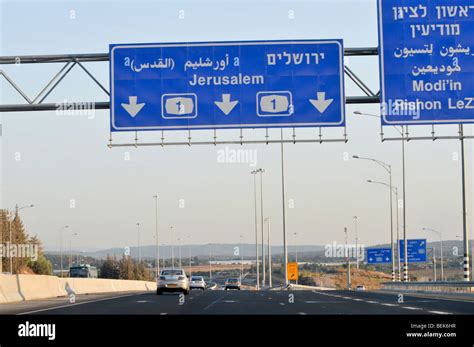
[426,61]
[292,271]
[416,250]
[379,255]
[257,84]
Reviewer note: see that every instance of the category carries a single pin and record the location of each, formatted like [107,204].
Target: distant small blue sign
[379,255]
[416,251]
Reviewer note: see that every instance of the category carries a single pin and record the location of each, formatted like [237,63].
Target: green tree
[126,268]
[110,268]
[4,235]
[139,271]
[19,237]
[41,266]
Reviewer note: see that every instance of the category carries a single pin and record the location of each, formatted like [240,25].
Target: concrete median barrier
[32,287]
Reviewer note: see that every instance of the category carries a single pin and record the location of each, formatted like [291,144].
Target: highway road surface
[246,302]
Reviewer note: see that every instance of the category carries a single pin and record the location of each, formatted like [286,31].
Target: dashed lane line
[411,308]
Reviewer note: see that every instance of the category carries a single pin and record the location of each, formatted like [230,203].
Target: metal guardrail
[445,286]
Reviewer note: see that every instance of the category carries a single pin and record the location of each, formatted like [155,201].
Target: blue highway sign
[255,84]
[416,251]
[426,61]
[379,255]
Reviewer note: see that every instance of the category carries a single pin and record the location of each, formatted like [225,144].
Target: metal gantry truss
[69,61]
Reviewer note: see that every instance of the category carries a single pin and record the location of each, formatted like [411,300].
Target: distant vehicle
[360,288]
[232,283]
[197,282]
[172,280]
[83,271]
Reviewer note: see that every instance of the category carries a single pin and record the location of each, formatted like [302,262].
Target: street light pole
[388,168]
[179,248]
[163,251]
[296,254]
[464,209]
[139,249]
[210,264]
[348,262]
[70,249]
[254,173]
[269,253]
[61,246]
[441,249]
[157,247]
[189,255]
[241,259]
[357,241]
[398,237]
[172,247]
[405,242]
[433,262]
[285,243]
[296,247]
[262,223]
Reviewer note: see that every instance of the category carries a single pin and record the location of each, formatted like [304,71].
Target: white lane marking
[282,304]
[141,301]
[345,297]
[411,308]
[302,313]
[439,312]
[213,303]
[230,301]
[77,303]
[358,300]
[163,314]
[434,299]
[391,305]
[372,302]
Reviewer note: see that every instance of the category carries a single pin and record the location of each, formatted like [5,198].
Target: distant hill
[220,251]
[228,251]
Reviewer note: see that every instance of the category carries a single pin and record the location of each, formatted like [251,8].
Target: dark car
[232,283]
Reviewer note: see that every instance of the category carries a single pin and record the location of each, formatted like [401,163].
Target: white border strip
[230,126]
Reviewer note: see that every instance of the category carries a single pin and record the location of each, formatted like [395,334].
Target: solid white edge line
[76,304]
[439,312]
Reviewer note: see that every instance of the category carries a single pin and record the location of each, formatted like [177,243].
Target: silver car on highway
[172,280]
[197,282]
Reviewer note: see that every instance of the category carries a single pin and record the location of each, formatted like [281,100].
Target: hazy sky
[48,159]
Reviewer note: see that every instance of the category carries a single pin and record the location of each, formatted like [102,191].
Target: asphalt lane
[247,302]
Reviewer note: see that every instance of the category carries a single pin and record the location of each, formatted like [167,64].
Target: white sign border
[231,126]
[382,85]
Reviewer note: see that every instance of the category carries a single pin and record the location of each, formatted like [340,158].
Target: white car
[172,280]
[360,288]
[197,282]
